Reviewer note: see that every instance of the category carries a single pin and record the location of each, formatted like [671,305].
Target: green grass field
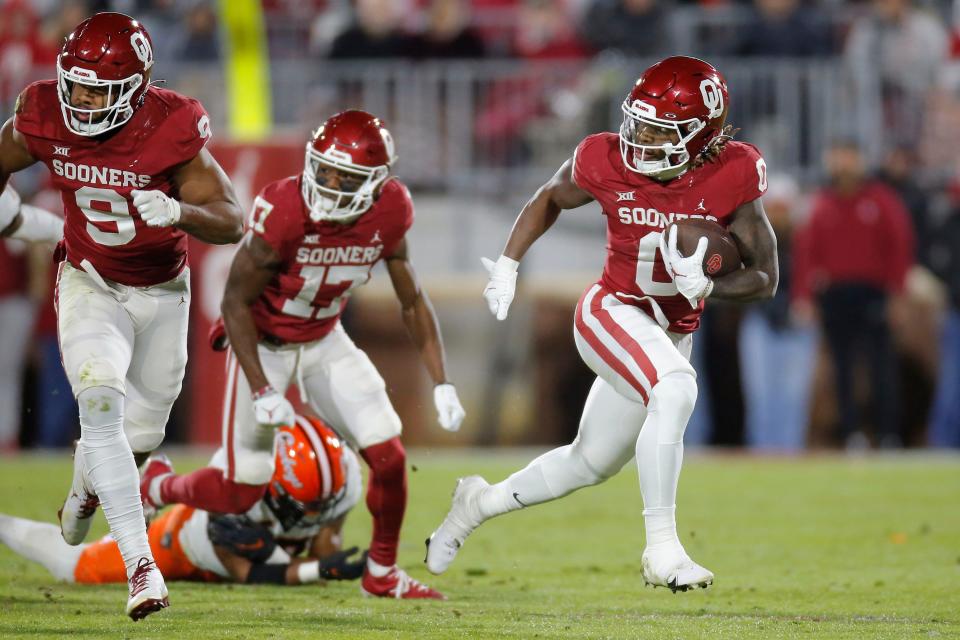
[802,548]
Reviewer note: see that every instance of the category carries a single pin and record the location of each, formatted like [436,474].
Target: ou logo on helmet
[712,97]
[141,46]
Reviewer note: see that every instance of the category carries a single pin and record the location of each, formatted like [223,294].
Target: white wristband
[508,264]
[308,572]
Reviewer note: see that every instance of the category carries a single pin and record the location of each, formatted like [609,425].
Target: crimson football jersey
[95,176]
[638,209]
[321,262]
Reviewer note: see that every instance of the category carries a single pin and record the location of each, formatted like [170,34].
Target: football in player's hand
[722,254]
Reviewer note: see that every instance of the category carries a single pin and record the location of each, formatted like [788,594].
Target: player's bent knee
[674,396]
[386,459]
[144,440]
[96,372]
[253,467]
[145,427]
[240,498]
[676,390]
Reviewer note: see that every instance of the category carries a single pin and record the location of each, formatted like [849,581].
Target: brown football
[722,255]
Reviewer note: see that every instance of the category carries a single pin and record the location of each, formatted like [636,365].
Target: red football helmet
[109,50]
[674,110]
[355,150]
[309,478]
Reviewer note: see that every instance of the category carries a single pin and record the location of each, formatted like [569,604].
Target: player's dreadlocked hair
[712,151]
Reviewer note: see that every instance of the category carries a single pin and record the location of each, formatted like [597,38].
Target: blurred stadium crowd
[855,105]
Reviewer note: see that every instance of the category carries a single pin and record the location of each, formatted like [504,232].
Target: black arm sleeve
[267,574]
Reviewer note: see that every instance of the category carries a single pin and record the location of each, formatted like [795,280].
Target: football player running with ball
[672,159]
[135,179]
[311,240]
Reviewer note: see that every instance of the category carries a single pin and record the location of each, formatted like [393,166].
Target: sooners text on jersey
[322,262]
[96,175]
[638,209]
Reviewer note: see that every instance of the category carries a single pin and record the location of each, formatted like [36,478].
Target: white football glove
[686,271]
[156,208]
[271,409]
[502,286]
[9,206]
[450,412]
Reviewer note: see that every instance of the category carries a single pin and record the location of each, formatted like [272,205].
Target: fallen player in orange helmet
[317,481]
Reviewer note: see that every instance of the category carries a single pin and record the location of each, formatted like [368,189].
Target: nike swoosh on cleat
[516,496]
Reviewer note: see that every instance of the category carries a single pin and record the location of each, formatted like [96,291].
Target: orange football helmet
[309,478]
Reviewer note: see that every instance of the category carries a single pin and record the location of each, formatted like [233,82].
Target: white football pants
[639,404]
[340,383]
[131,339]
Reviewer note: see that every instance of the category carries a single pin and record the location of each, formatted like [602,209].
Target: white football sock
[660,453]
[42,543]
[111,471]
[605,442]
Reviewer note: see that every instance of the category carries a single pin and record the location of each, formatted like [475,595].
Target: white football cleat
[148,593]
[670,566]
[76,514]
[463,518]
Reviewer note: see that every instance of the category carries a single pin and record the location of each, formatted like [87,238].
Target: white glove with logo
[450,412]
[9,206]
[687,272]
[156,208]
[502,286]
[271,409]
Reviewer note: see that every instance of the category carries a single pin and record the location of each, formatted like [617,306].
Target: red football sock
[209,490]
[386,497]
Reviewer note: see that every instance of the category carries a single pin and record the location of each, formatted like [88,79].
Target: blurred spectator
[944,428]
[21,47]
[899,171]
[16,318]
[448,34]
[777,397]
[851,257]
[785,29]
[633,27]
[375,32]
[896,53]
[546,32]
[58,25]
[198,40]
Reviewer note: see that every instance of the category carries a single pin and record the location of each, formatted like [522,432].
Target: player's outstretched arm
[254,265]
[18,220]
[538,215]
[209,209]
[421,322]
[542,210]
[758,250]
